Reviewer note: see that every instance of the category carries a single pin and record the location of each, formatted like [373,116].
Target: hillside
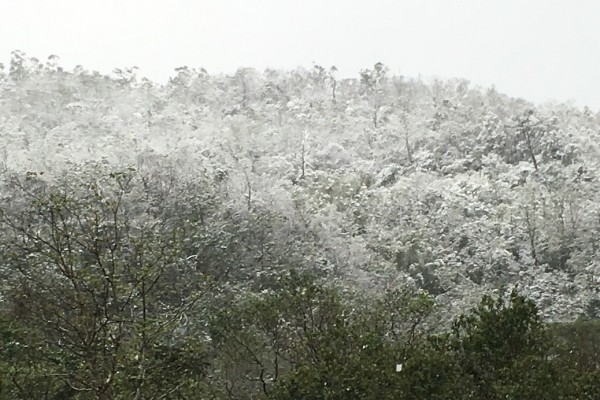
[438,185]
[266,234]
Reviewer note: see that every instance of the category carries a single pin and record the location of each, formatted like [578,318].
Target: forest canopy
[293,235]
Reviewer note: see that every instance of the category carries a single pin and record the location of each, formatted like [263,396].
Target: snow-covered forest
[139,218]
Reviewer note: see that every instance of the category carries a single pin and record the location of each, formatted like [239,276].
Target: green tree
[99,289]
[502,346]
[576,351]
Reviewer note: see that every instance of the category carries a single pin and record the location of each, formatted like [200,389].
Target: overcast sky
[536,49]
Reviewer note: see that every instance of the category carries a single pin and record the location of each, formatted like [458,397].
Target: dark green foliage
[354,356]
[502,347]
[576,353]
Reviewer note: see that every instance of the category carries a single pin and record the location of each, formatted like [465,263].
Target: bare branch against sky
[537,49]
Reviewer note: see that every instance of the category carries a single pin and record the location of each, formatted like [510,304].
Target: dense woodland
[293,235]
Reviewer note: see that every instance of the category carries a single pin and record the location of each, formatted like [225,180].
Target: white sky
[536,49]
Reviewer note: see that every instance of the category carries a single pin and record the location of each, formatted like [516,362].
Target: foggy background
[536,49]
